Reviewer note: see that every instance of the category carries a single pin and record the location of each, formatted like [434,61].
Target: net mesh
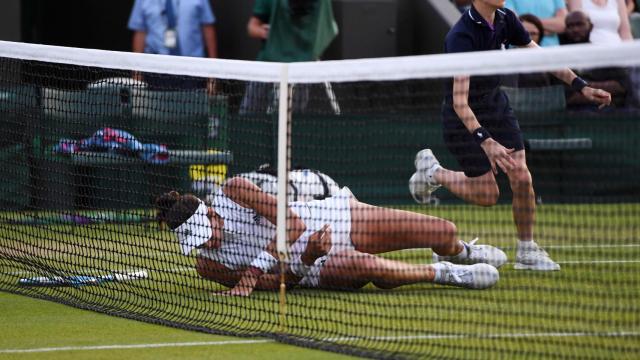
[89,140]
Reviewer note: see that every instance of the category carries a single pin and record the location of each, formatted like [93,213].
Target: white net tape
[399,68]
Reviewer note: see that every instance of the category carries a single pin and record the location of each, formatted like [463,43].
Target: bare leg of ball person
[483,190]
[529,256]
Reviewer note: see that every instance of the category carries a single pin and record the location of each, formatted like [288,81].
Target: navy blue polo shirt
[473,33]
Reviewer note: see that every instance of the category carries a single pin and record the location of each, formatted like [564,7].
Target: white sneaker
[422,183]
[476,254]
[426,162]
[534,257]
[477,276]
[420,189]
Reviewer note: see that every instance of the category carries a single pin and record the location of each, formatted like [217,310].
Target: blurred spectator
[634,18]
[631,6]
[534,27]
[609,18]
[579,28]
[462,5]
[173,27]
[550,12]
[614,80]
[290,31]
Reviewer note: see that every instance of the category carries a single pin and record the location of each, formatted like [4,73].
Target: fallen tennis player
[333,242]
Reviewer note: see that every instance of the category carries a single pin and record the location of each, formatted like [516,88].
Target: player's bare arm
[249,195]
[244,281]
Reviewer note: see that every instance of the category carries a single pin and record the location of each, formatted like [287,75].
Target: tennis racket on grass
[82,280]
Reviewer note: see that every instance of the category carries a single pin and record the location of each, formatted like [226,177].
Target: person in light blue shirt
[174,27]
[550,12]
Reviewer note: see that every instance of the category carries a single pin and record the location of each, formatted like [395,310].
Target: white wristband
[299,268]
[264,261]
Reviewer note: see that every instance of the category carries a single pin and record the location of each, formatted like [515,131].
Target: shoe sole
[497,261]
[419,196]
[521,266]
[419,157]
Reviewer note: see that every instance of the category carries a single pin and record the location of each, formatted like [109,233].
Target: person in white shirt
[609,18]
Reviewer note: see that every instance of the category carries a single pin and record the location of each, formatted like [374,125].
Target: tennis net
[90,139]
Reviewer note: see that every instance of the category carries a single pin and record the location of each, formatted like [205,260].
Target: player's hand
[499,156]
[598,96]
[245,285]
[319,245]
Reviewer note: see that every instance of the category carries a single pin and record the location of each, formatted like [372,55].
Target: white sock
[431,174]
[437,268]
[462,254]
[526,244]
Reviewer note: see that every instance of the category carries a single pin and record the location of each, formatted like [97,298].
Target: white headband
[195,231]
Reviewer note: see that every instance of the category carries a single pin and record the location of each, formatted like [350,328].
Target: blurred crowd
[289,30]
[565,22]
[301,30]
[611,20]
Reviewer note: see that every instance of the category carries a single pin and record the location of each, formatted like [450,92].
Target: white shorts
[335,211]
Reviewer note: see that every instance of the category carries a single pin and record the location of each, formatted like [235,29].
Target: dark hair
[174,209]
[535,21]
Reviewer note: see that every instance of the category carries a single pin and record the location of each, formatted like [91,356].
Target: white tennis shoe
[533,257]
[422,183]
[476,254]
[476,276]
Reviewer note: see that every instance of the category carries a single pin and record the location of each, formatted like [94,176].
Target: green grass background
[35,324]
[528,315]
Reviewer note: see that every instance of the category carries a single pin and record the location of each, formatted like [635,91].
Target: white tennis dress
[245,233]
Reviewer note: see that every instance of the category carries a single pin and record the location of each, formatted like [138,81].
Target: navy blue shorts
[495,115]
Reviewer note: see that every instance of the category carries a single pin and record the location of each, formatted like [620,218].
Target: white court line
[593,246]
[134,346]
[595,262]
[596,246]
[340,339]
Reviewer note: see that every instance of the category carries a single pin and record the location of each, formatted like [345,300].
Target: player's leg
[377,230]
[352,269]
[528,254]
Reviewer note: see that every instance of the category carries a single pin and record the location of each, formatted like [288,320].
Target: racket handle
[136,275]
[43,281]
[81,280]
[76,280]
